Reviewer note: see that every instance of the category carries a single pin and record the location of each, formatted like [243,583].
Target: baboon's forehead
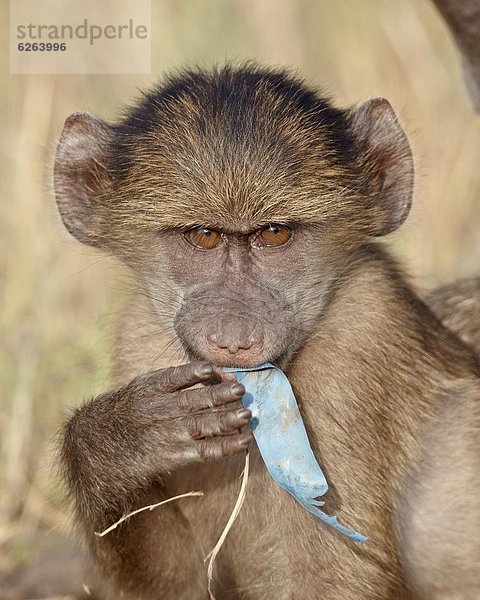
[212,185]
[178,197]
[234,146]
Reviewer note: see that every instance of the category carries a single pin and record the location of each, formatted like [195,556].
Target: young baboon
[246,207]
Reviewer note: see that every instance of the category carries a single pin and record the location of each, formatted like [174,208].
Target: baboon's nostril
[233,342]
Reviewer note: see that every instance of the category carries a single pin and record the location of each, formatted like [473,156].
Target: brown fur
[385,390]
[458,307]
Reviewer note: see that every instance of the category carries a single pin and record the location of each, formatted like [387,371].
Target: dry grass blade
[144,508]
[212,555]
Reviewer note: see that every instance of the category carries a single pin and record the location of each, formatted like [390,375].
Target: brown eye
[273,235]
[203,238]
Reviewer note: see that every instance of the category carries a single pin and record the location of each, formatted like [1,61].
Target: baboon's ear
[386,156]
[80,176]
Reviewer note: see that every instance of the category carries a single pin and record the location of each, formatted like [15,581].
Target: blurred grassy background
[57,299]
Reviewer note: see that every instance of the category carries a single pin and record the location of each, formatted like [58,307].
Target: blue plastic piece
[282,439]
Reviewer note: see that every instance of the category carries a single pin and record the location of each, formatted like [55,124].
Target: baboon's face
[237,197]
[240,298]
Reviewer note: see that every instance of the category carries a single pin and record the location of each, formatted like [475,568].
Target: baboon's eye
[273,235]
[203,238]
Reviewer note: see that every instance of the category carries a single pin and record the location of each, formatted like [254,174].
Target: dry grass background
[57,299]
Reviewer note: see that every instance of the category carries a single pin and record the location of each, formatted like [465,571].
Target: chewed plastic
[282,439]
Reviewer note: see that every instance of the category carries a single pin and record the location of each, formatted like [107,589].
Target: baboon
[246,208]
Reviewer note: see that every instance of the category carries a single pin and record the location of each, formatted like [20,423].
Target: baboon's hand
[187,424]
[156,424]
